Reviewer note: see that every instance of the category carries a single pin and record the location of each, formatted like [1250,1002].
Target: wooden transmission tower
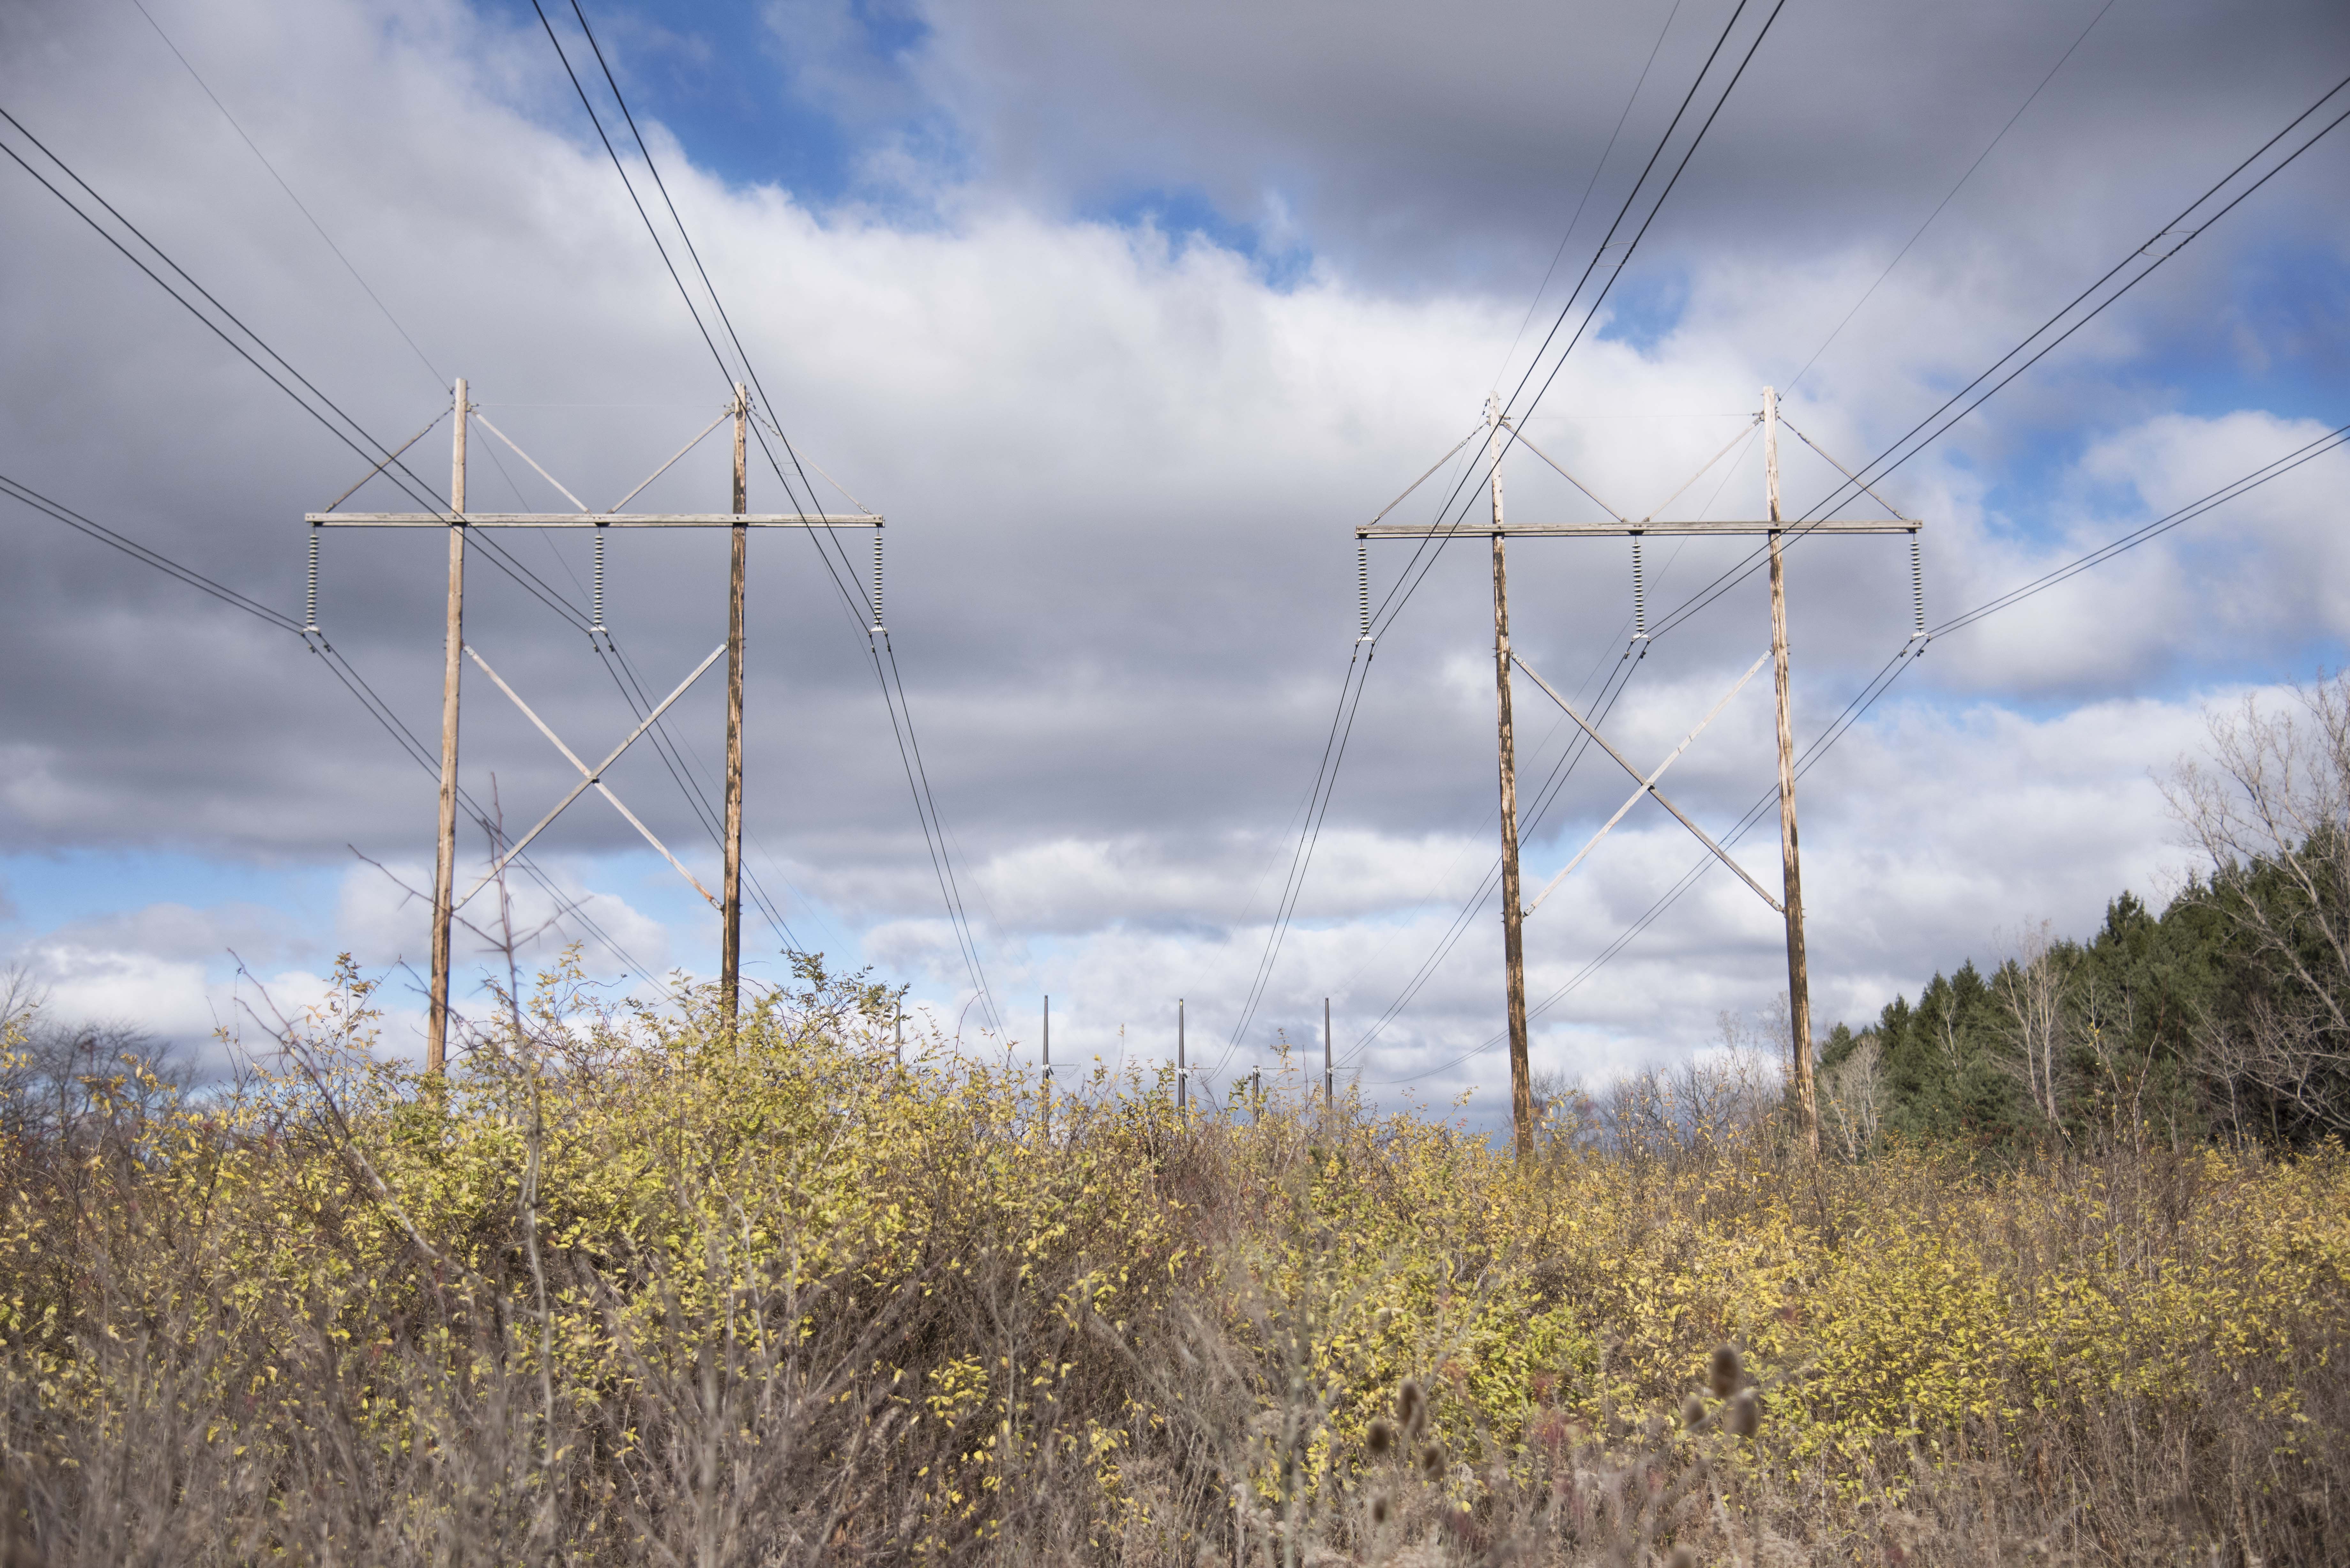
[1500,434]
[457,523]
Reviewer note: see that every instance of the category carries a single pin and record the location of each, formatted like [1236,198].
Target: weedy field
[629,1286]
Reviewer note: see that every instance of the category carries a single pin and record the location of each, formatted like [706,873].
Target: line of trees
[2227,1014]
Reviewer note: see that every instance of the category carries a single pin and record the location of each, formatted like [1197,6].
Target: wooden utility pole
[730,941]
[1513,944]
[1183,1072]
[1047,1093]
[1799,984]
[444,869]
[1329,1075]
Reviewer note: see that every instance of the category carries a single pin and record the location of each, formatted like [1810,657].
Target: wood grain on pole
[1513,946]
[730,956]
[1329,1076]
[444,872]
[1799,987]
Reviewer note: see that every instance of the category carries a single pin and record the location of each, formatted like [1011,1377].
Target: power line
[2029,100]
[1546,796]
[884,656]
[438,378]
[146,557]
[1333,753]
[349,432]
[1576,216]
[1409,582]
[1898,664]
[1909,444]
[335,663]
[2332,440]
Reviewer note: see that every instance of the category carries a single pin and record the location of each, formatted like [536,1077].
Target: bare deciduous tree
[2271,809]
[1852,1096]
[2031,988]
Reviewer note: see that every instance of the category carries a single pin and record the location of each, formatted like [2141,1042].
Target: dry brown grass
[623,1290]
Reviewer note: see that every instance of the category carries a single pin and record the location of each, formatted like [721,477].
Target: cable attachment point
[876,579]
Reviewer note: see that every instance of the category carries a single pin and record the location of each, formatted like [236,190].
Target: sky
[1125,317]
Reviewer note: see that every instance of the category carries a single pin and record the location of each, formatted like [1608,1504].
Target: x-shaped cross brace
[589,775]
[1648,784]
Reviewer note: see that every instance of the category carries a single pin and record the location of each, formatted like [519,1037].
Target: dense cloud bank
[1121,449]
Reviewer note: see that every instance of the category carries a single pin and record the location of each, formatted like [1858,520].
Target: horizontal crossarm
[608,520]
[1648,783]
[1620,530]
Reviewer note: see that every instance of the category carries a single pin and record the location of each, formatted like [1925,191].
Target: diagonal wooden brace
[1648,783]
[590,776]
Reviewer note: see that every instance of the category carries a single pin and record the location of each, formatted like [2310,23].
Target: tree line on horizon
[2225,1015]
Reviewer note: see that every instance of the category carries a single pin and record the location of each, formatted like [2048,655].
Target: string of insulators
[310,610]
[598,629]
[1917,583]
[1639,596]
[877,577]
[1363,584]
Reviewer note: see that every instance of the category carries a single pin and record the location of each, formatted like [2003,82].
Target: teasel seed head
[1682,1557]
[1431,1463]
[1723,1371]
[1380,1439]
[1412,1408]
[1692,1412]
[1745,1415]
[1380,1508]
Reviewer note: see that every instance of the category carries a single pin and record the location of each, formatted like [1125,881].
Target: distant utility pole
[1790,904]
[1048,1068]
[1183,1072]
[1329,1076]
[458,523]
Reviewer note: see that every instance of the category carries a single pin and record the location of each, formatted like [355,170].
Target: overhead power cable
[1423,559]
[335,663]
[1318,811]
[2139,264]
[1949,196]
[366,288]
[1890,671]
[250,347]
[1589,185]
[863,611]
[386,461]
[2332,440]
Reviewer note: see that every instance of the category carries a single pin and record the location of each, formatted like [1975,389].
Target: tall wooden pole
[1513,946]
[730,949]
[444,871]
[1799,984]
[1182,1072]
